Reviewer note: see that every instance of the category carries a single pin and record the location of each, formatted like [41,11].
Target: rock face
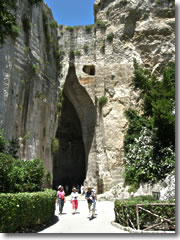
[163,190]
[28,83]
[94,61]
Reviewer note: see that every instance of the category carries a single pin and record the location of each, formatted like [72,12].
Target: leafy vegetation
[25,210]
[20,176]
[102,100]
[8,25]
[70,28]
[89,28]
[53,24]
[100,24]
[17,175]
[110,37]
[36,68]
[102,49]
[55,145]
[86,48]
[3,142]
[35,1]
[125,212]
[149,143]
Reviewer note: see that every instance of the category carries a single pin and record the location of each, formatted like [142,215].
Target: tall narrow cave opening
[75,133]
[69,161]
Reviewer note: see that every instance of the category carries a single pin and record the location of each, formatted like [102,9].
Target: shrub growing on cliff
[102,100]
[35,1]
[53,24]
[88,28]
[150,140]
[8,24]
[110,37]
[55,145]
[100,24]
[144,163]
[159,100]
[86,48]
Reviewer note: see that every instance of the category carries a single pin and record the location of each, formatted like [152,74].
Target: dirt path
[80,223]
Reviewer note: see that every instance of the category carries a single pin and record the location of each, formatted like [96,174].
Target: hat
[74,188]
[89,187]
[60,186]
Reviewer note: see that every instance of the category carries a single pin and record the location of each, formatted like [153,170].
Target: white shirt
[74,195]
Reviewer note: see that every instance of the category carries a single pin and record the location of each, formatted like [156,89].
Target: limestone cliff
[28,83]
[94,61]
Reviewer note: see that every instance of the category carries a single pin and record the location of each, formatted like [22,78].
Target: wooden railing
[162,219]
[137,225]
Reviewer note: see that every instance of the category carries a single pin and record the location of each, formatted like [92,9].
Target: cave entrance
[69,161]
[75,134]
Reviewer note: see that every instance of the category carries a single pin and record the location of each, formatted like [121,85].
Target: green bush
[3,142]
[21,176]
[102,49]
[6,168]
[35,1]
[25,210]
[149,142]
[70,28]
[27,176]
[53,24]
[125,211]
[100,24]
[159,100]
[88,28]
[55,145]
[86,48]
[15,31]
[102,100]
[36,68]
[110,37]
[8,23]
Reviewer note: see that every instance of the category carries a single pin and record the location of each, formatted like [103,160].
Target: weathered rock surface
[163,190]
[94,62]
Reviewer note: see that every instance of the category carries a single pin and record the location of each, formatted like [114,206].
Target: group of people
[90,196]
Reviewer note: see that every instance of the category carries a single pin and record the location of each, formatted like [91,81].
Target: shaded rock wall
[28,83]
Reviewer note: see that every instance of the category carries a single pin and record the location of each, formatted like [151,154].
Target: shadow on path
[40,227]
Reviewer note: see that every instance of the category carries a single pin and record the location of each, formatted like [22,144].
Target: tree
[149,143]
[159,100]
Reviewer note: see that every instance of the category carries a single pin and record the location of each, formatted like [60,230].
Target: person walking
[90,196]
[82,189]
[60,198]
[74,200]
